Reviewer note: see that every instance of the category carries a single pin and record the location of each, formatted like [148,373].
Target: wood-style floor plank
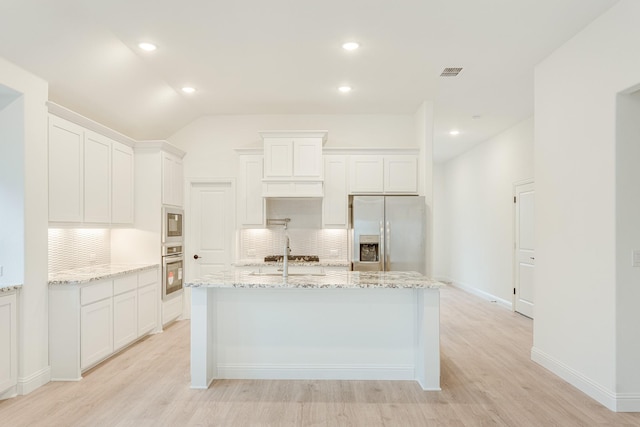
[488,379]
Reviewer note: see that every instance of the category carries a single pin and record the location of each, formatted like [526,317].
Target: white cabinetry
[293,163]
[148,297]
[121,184]
[389,174]
[125,311]
[66,141]
[335,202]
[88,323]
[8,342]
[96,334]
[288,158]
[172,180]
[97,178]
[250,200]
[90,176]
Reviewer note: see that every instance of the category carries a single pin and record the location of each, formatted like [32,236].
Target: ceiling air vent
[450,72]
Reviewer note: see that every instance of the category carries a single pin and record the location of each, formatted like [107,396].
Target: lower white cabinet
[148,297]
[96,332]
[125,319]
[89,322]
[8,342]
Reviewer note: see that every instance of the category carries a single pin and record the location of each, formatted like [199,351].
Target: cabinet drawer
[96,292]
[147,277]
[125,284]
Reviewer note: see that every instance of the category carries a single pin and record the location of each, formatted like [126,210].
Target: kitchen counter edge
[80,276]
[9,288]
[321,263]
[337,279]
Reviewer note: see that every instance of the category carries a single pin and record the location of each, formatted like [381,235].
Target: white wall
[575,170]
[12,188]
[209,141]
[627,241]
[32,314]
[424,138]
[474,213]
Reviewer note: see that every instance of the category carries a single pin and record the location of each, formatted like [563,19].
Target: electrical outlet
[635,260]
[251,252]
[1,270]
[333,253]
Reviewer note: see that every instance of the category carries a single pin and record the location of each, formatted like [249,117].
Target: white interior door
[525,250]
[210,224]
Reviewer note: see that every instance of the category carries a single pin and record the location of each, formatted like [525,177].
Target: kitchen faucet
[285,258]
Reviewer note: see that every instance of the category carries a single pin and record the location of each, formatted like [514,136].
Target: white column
[203,355]
[427,364]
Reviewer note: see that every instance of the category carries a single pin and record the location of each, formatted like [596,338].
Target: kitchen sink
[255,273]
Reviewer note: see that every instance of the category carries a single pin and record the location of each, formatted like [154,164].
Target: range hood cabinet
[293,165]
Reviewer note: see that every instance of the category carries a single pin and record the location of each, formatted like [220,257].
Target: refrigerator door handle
[387,248]
[383,252]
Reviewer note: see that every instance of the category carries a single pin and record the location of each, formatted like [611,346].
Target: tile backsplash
[325,243]
[78,247]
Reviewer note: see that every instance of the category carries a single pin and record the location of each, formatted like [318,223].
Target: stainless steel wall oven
[172,270]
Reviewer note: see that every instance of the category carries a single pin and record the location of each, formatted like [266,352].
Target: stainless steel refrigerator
[388,233]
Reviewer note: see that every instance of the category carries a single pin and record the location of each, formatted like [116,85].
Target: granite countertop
[9,288]
[78,276]
[321,263]
[333,279]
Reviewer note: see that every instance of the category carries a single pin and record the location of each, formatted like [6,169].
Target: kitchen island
[337,325]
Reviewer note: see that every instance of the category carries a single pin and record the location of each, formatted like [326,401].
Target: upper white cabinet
[388,174]
[366,174]
[293,165]
[97,178]
[121,184]
[8,342]
[335,201]
[90,176]
[250,200]
[400,174]
[66,142]
[172,180]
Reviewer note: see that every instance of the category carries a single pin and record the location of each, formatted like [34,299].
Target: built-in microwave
[172,225]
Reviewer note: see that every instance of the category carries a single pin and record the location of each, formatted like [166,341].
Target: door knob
[196,256]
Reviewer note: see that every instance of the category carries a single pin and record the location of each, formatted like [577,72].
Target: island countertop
[332,279]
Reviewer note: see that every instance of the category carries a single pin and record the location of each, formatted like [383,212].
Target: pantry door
[210,225]
[524,199]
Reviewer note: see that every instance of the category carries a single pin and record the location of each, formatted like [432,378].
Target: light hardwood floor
[487,379]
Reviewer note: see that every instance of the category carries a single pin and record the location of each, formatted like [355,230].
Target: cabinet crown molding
[72,116]
[369,150]
[295,134]
[159,145]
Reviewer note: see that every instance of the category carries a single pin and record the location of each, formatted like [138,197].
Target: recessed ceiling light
[350,46]
[188,89]
[454,132]
[149,47]
[345,89]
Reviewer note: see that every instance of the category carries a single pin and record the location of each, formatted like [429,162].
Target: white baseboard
[9,393]
[576,379]
[324,372]
[28,384]
[482,294]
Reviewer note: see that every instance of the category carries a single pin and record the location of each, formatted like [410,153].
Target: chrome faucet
[285,258]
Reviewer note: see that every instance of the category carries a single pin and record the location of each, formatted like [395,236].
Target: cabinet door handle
[196,256]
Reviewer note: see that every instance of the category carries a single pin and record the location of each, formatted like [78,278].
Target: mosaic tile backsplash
[325,243]
[78,247]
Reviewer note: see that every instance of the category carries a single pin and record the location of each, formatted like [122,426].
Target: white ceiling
[284,57]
